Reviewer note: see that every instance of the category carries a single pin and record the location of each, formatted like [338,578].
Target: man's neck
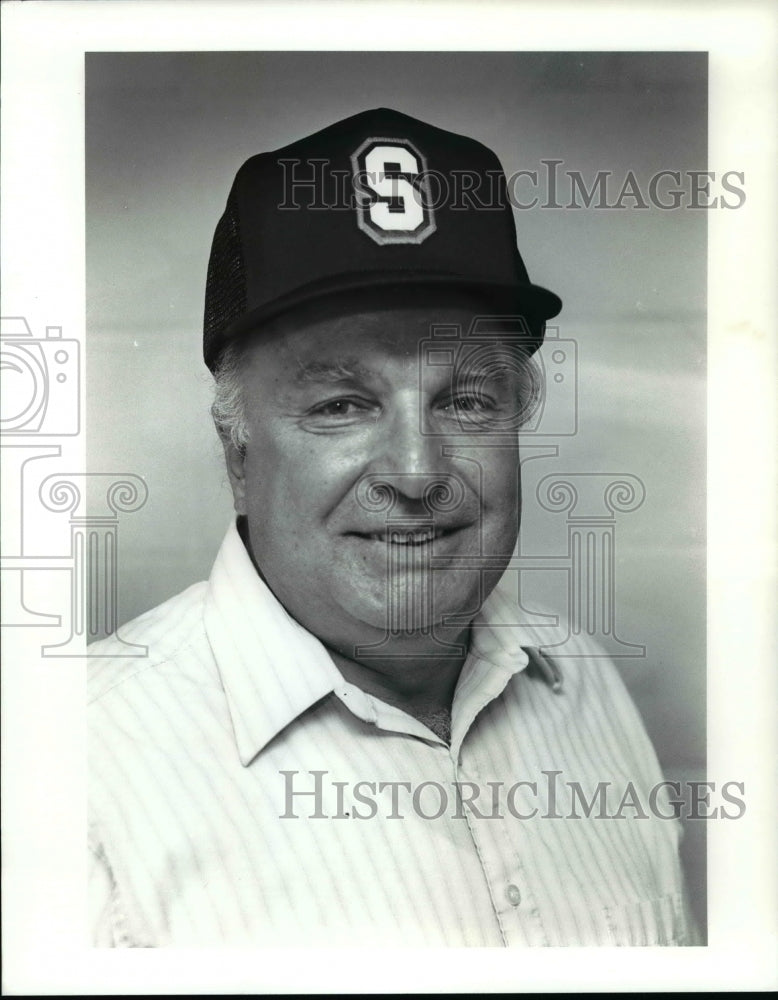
[421,683]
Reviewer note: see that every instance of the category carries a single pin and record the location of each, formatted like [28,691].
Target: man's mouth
[408,536]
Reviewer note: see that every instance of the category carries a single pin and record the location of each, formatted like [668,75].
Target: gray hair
[229,405]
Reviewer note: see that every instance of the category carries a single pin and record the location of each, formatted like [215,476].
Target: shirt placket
[510,890]
[499,854]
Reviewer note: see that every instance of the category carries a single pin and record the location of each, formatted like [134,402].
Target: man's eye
[338,408]
[470,403]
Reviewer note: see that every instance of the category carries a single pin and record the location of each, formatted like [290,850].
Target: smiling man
[344,737]
[342,406]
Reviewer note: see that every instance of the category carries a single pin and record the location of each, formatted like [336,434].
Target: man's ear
[235,460]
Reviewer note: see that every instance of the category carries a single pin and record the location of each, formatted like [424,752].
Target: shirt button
[514,896]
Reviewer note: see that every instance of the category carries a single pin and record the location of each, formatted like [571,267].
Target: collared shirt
[243,793]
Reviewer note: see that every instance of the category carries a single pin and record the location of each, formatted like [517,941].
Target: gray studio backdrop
[165,133]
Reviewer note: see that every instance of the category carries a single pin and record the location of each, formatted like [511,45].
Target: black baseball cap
[377,201]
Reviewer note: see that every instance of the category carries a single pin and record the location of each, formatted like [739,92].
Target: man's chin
[415,605]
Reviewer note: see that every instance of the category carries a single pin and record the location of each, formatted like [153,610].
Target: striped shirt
[242,793]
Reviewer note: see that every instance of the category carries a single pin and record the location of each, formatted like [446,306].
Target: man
[343,737]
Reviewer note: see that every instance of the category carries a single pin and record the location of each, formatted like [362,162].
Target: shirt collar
[496,655]
[273,669]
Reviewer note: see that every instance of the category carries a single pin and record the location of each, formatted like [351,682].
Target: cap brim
[535,303]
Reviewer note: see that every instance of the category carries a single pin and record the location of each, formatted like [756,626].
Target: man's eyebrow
[343,369]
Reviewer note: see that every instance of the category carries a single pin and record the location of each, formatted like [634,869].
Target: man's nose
[409,453]
[409,474]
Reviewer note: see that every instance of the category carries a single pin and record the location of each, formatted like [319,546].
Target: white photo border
[43,267]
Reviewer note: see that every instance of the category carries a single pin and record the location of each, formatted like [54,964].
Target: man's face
[352,421]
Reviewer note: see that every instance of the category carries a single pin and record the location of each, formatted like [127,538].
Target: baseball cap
[379,201]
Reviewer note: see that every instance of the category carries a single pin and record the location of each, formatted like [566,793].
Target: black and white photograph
[365,509]
[372,329]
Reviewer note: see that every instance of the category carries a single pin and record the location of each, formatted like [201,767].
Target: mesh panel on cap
[225,288]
